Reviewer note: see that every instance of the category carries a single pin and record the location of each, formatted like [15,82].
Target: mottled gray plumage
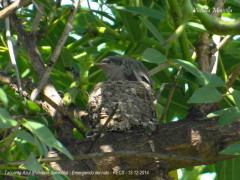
[124,68]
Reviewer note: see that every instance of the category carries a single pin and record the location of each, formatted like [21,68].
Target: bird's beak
[100,64]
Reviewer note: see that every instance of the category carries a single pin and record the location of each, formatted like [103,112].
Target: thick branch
[36,61]
[12,8]
[45,77]
[175,145]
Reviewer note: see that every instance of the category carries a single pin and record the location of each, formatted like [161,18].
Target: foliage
[147,30]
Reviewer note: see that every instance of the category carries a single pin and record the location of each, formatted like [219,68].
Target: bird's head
[124,68]
[110,63]
[112,67]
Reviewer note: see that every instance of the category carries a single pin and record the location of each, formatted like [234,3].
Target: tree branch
[12,8]
[11,52]
[36,61]
[56,53]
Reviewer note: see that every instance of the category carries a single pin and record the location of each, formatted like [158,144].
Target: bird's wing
[142,74]
[135,71]
[127,69]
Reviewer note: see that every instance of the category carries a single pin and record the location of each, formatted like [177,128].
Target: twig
[56,52]
[214,58]
[162,87]
[10,81]
[36,61]
[232,78]
[11,52]
[221,44]
[170,95]
[103,129]
[158,68]
[37,18]
[12,8]
[30,116]
[215,51]
[66,114]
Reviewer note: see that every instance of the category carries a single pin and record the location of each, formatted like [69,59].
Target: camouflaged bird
[124,68]
[130,88]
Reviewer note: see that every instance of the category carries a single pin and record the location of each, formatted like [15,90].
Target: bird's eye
[106,61]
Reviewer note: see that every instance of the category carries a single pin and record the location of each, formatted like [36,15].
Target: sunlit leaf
[6,121]
[46,136]
[33,107]
[3,97]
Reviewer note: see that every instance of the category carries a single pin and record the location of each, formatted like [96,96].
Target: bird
[124,68]
[127,95]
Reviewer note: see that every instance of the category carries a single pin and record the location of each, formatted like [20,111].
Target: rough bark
[174,145]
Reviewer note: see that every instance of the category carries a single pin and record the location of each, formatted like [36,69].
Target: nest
[135,106]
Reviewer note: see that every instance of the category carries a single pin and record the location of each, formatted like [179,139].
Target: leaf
[66,57]
[131,25]
[233,149]
[42,147]
[192,69]
[143,11]
[46,136]
[196,26]
[153,56]
[229,115]
[32,164]
[228,169]
[3,97]
[33,107]
[213,80]
[153,29]
[226,115]
[236,97]
[26,136]
[205,95]
[6,120]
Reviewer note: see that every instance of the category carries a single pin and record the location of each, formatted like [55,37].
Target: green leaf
[26,136]
[131,25]
[32,164]
[3,97]
[143,11]
[205,95]
[196,26]
[153,29]
[33,107]
[229,115]
[228,169]
[6,120]
[42,147]
[153,56]
[213,80]
[46,136]
[236,97]
[192,69]
[233,149]
[226,115]
[66,57]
